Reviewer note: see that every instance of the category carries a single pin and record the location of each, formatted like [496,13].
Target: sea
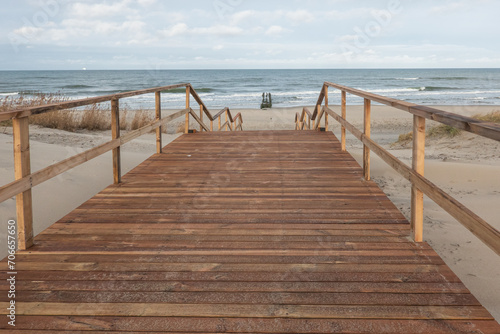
[244,88]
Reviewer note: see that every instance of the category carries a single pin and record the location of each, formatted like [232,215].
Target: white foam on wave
[407,79]
[8,94]
[393,90]
[476,92]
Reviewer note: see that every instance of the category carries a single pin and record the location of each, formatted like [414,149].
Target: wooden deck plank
[277,232]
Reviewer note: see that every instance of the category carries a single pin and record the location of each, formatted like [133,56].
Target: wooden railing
[25,180]
[420,185]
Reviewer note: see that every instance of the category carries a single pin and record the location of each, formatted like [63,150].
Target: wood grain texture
[418,165]
[264,235]
[22,169]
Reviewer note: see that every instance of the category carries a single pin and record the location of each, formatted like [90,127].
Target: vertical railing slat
[226,120]
[22,168]
[115,134]
[367,132]
[158,117]
[418,163]
[344,116]
[326,105]
[201,117]
[188,96]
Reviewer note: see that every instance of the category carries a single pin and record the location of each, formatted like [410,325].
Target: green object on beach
[266,101]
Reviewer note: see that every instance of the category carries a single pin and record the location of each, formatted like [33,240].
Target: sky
[253,34]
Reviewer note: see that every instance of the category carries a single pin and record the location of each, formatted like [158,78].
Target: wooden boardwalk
[254,232]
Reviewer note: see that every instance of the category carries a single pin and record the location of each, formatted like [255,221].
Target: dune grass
[446,131]
[95,117]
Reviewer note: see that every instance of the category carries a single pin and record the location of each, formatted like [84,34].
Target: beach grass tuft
[493,117]
[446,131]
[443,130]
[141,118]
[95,117]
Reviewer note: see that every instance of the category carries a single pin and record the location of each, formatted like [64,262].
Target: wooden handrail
[25,180]
[482,128]
[420,185]
[231,124]
[28,111]
[300,119]
[36,178]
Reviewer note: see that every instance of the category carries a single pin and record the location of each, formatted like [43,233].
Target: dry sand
[466,166]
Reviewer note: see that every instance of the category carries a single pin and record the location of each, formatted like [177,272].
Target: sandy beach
[466,166]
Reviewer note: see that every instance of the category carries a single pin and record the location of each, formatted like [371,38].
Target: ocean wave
[392,90]
[476,92]
[450,78]
[76,86]
[9,94]
[183,90]
[29,92]
[436,88]
[408,78]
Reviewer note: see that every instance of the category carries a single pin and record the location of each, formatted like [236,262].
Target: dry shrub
[141,118]
[442,130]
[123,119]
[23,101]
[60,119]
[405,139]
[492,117]
[95,118]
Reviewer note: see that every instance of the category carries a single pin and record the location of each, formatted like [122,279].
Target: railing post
[418,163]
[367,130]
[344,115]
[22,168]
[219,122]
[326,106]
[158,117]
[201,118]
[211,125]
[115,134]
[226,120]
[188,93]
[318,113]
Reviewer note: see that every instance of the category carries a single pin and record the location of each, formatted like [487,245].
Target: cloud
[355,13]
[275,30]
[146,3]
[176,30]
[300,16]
[448,8]
[87,10]
[181,29]
[246,15]
[28,32]
[218,30]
